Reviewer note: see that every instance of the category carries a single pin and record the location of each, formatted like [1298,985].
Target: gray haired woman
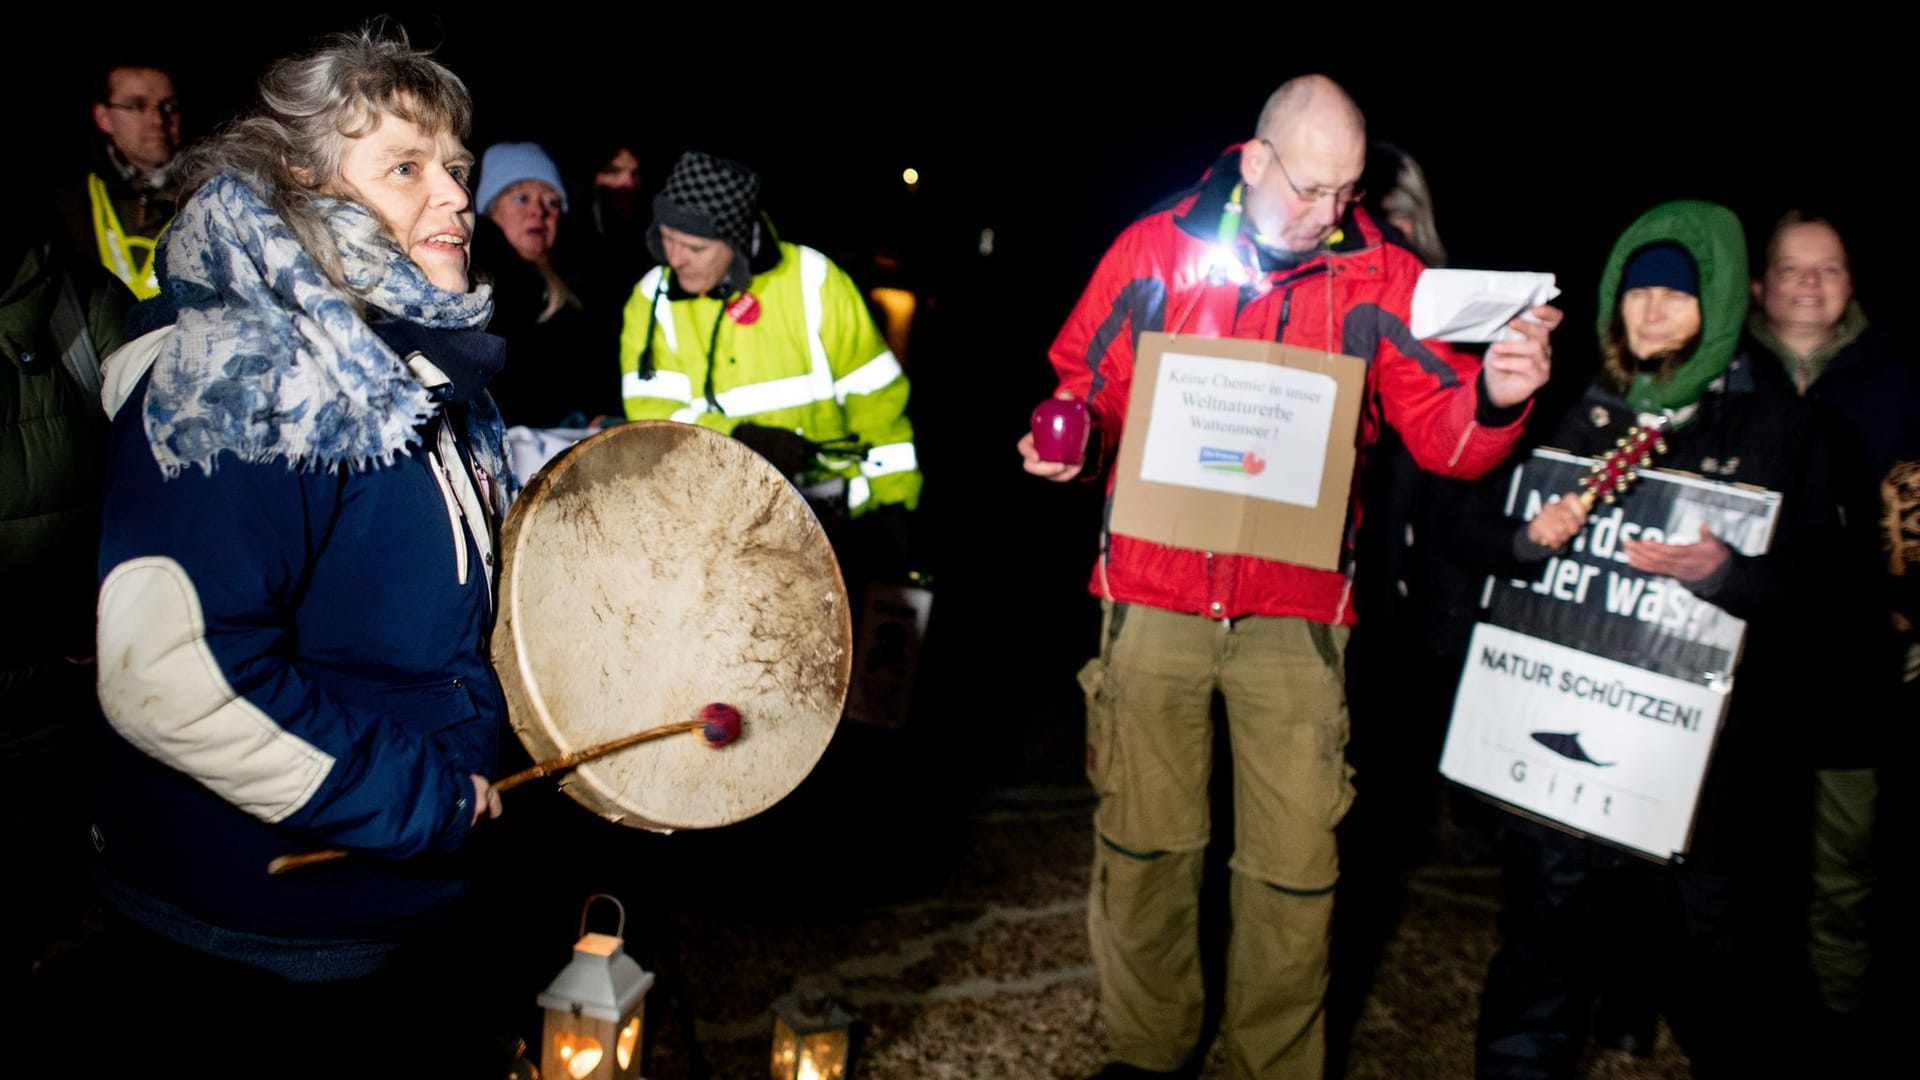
[297,570]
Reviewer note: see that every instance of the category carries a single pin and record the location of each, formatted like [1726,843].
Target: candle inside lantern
[811,1038]
[629,1041]
[580,1054]
[595,1004]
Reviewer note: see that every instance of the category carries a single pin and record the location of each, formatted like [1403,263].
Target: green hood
[1713,236]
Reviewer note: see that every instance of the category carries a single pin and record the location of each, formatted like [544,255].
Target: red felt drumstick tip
[719,723]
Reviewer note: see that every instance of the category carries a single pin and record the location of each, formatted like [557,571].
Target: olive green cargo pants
[1149,753]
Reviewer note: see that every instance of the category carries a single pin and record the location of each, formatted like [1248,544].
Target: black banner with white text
[1593,692]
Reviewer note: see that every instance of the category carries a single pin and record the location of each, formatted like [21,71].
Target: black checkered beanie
[711,197]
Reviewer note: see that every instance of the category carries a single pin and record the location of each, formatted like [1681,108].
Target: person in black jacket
[113,211]
[1807,327]
[560,358]
[1717,919]
[56,319]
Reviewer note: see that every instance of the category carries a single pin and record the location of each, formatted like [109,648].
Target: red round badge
[744,309]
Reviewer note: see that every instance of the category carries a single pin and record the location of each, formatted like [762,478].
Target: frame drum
[646,571]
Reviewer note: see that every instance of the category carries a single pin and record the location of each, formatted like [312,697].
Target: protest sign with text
[1237,446]
[1593,693]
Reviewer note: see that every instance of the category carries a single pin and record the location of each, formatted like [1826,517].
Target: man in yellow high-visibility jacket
[766,340]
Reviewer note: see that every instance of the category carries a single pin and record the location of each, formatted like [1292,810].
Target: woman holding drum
[297,578]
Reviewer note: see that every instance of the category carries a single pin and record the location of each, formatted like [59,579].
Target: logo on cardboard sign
[1239,461]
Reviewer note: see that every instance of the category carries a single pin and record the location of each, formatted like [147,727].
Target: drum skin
[647,571]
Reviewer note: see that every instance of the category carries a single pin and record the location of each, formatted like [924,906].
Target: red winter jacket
[1352,297]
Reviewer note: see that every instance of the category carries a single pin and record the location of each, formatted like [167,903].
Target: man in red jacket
[1306,266]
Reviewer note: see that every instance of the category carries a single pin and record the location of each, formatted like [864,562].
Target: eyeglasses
[1342,196]
[168,108]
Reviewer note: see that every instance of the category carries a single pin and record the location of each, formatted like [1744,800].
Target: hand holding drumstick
[718,723]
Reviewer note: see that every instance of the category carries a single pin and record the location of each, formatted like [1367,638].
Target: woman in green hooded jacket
[1715,926]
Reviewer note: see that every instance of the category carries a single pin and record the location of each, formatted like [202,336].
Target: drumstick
[718,723]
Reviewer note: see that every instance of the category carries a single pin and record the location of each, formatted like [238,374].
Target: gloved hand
[790,453]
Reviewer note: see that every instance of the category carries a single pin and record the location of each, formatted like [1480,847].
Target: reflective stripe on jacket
[810,361]
[129,256]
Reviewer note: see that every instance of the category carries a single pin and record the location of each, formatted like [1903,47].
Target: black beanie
[711,197]
[1665,265]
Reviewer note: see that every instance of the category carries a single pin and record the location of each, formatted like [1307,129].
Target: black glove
[791,454]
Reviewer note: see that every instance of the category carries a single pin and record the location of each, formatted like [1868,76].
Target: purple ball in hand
[1060,427]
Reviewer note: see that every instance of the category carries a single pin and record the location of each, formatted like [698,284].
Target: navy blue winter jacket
[290,660]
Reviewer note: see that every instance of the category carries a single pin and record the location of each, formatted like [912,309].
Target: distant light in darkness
[911,176]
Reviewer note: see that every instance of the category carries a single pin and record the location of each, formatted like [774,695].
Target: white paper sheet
[1476,305]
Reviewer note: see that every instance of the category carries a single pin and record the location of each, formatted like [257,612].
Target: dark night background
[1542,137]
[1055,139]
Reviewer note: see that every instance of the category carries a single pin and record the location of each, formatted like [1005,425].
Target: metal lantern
[594,1009]
[812,1038]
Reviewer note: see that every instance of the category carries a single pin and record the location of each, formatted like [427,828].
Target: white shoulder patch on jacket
[164,692]
[123,368]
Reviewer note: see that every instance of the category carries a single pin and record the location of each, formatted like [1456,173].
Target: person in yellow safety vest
[129,193]
[766,340]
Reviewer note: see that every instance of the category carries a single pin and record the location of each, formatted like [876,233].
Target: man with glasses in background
[1270,245]
[126,198]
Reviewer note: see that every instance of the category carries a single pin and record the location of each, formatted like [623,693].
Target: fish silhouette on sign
[1567,745]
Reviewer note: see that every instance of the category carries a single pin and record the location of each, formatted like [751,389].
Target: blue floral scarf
[270,361]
